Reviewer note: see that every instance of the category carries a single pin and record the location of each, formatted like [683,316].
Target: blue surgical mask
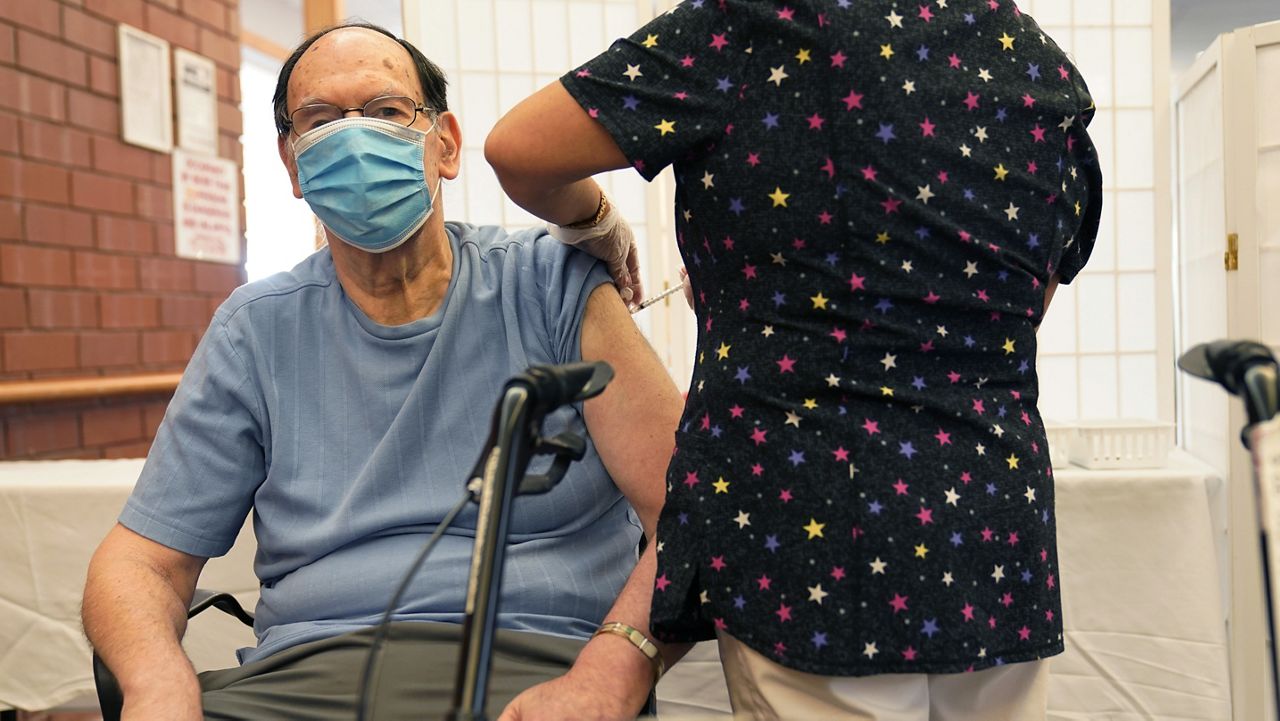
[363,178]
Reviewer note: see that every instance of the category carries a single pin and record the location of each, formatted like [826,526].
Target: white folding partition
[1228,131]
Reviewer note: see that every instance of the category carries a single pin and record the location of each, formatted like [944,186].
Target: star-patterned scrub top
[871,197]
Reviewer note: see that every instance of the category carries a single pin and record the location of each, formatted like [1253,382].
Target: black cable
[384,625]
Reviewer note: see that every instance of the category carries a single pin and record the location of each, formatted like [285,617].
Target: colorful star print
[872,199]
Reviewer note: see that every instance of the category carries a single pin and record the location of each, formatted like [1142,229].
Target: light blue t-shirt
[350,440]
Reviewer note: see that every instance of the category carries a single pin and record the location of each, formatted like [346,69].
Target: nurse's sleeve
[666,91]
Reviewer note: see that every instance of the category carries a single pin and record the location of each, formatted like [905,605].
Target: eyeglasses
[395,108]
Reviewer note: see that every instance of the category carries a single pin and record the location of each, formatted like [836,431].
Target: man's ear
[449,133]
[290,162]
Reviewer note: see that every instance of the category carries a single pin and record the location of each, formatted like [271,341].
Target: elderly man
[344,403]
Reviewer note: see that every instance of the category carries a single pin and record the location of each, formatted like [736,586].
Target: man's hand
[612,241]
[610,681]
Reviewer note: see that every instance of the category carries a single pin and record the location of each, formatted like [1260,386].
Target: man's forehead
[359,48]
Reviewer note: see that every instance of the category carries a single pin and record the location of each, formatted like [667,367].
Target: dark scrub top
[871,198]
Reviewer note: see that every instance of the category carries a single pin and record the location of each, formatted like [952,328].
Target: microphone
[1244,368]
[554,386]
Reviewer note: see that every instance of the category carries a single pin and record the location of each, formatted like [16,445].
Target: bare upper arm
[122,545]
[633,423]
[548,139]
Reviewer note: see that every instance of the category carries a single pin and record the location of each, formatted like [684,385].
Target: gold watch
[640,641]
[594,220]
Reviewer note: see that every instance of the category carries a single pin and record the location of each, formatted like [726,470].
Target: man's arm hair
[135,613]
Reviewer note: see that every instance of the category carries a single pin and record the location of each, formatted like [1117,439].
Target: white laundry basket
[1121,443]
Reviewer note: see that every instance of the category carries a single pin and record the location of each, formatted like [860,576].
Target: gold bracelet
[640,641]
[594,220]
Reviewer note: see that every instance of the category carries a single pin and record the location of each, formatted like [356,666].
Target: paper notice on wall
[206,208]
[145,106]
[197,85]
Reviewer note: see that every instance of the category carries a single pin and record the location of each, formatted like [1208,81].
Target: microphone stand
[502,472]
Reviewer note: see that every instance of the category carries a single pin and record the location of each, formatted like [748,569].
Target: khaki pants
[762,689]
[320,680]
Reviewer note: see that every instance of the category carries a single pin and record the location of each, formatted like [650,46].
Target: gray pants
[320,680]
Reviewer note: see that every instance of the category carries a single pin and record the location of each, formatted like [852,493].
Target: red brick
[113,424]
[117,158]
[153,202]
[164,239]
[88,32]
[104,350]
[162,168]
[104,77]
[39,351]
[233,19]
[129,235]
[32,180]
[167,274]
[55,142]
[223,50]
[44,56]
[167,347]
[211,14]
[58,226]
[228,85]
[13,308]
[62,309]
[125,11]
[42,432]
[137,449]
[30,265]
[171,4]
[98,192]
[152,416]
[178,30]
[229,147]
[230,119]
[31,95]
[184,312]
[7,44]
[9,142]
[40,15]
[108,272]
[10,220]
[129,311]
[218,278]
[93,112]
[112,156]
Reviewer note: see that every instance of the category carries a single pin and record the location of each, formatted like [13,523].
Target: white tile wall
[1100,341]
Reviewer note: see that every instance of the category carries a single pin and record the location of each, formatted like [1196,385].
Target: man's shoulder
[315,271]
[494,241]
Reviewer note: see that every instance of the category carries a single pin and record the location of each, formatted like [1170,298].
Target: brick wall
[89,283]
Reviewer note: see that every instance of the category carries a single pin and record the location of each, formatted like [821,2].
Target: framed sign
[206,208]
[196,80]
[146,114]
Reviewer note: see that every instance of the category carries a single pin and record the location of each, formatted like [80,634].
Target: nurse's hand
[610,240]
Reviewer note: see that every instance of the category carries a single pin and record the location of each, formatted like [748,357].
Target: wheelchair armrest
[220,600]
[111,698]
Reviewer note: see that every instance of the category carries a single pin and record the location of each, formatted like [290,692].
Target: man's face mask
[364,179]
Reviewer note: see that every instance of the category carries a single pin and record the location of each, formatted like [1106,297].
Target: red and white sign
[206,208]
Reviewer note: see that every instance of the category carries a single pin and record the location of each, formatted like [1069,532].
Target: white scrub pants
[762,689]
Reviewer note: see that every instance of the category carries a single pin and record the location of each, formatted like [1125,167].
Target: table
[1139,553]
[53,514]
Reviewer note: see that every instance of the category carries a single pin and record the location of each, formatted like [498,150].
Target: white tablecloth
[1144,621]
[53,514]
